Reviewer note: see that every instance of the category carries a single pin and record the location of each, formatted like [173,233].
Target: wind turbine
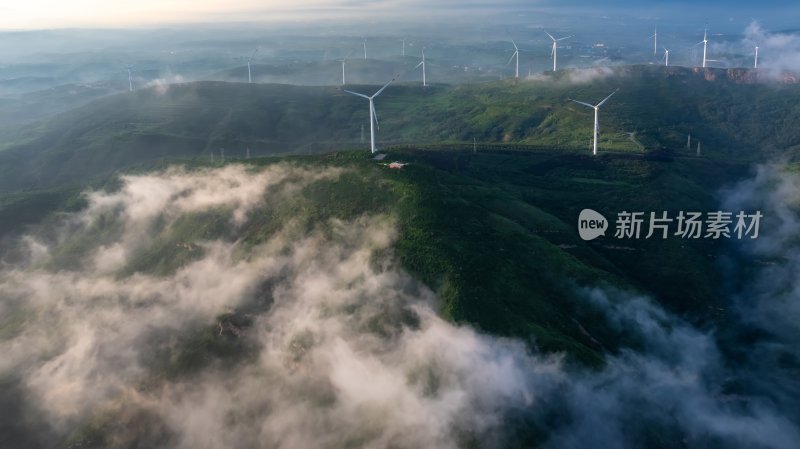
[755,64]
[344,79]
[404,47]
[666,57]
[365,49]
[130,78]
[422,63]
[249,74]
[596,108]
[554,51]
[344,61]
[655,41]
[705,45]
[516,53]
[249,60]
[373,116]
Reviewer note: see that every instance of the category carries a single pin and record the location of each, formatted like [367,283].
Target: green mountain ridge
[655,108]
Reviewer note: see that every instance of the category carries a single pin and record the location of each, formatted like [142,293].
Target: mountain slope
[656,107]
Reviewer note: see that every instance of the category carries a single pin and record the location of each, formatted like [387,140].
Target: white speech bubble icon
[591,224]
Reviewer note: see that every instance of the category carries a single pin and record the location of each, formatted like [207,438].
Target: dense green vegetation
[493,233]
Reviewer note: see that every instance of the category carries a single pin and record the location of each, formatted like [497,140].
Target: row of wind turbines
[373,115]
[514,56]
[704,42]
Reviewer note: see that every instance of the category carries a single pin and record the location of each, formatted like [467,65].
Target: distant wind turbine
[373,116]
[250,59]
[344,61]
[404,47]
[755,64]
[655,40]
[130,78]
[666,57]
[554,51]
[365,49]
[705,45]
[516,54]
[422,64]
[596,108]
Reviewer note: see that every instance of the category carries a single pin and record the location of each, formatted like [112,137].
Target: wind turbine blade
[515,45]
[511,58]
[418,65]
[551,36]
[375,114]
[357,94]
[606,99]
[384,87]
[565,38]
[585,104]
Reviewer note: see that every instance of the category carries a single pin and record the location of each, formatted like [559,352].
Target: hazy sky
[38,14]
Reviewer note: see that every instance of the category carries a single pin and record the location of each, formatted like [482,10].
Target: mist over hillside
[161,315]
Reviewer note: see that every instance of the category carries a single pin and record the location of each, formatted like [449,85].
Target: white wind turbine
[404,47]
[130,78]
[344,61]
[666,57]
[655,41]
[365,49]
[344,78]
[705,45]
[249,60]
[373,116]
[516,54]
[554,51]
[422,64]
[755,64]
[596,108]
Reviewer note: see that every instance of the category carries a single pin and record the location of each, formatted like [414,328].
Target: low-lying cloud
[342,348]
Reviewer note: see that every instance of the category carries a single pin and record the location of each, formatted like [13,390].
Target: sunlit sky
[42,14]
[27,14]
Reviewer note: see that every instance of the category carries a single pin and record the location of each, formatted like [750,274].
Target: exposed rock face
[744,75]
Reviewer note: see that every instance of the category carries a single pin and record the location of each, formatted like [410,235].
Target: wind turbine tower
[705,45]
[404,48]
[344,78]
[516,54]
[365,49]
[249,73]
[666,57]
[554,51]
[755,64]
[373,116]
[655,41]
[422,64]
[130,78]
[596,108]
